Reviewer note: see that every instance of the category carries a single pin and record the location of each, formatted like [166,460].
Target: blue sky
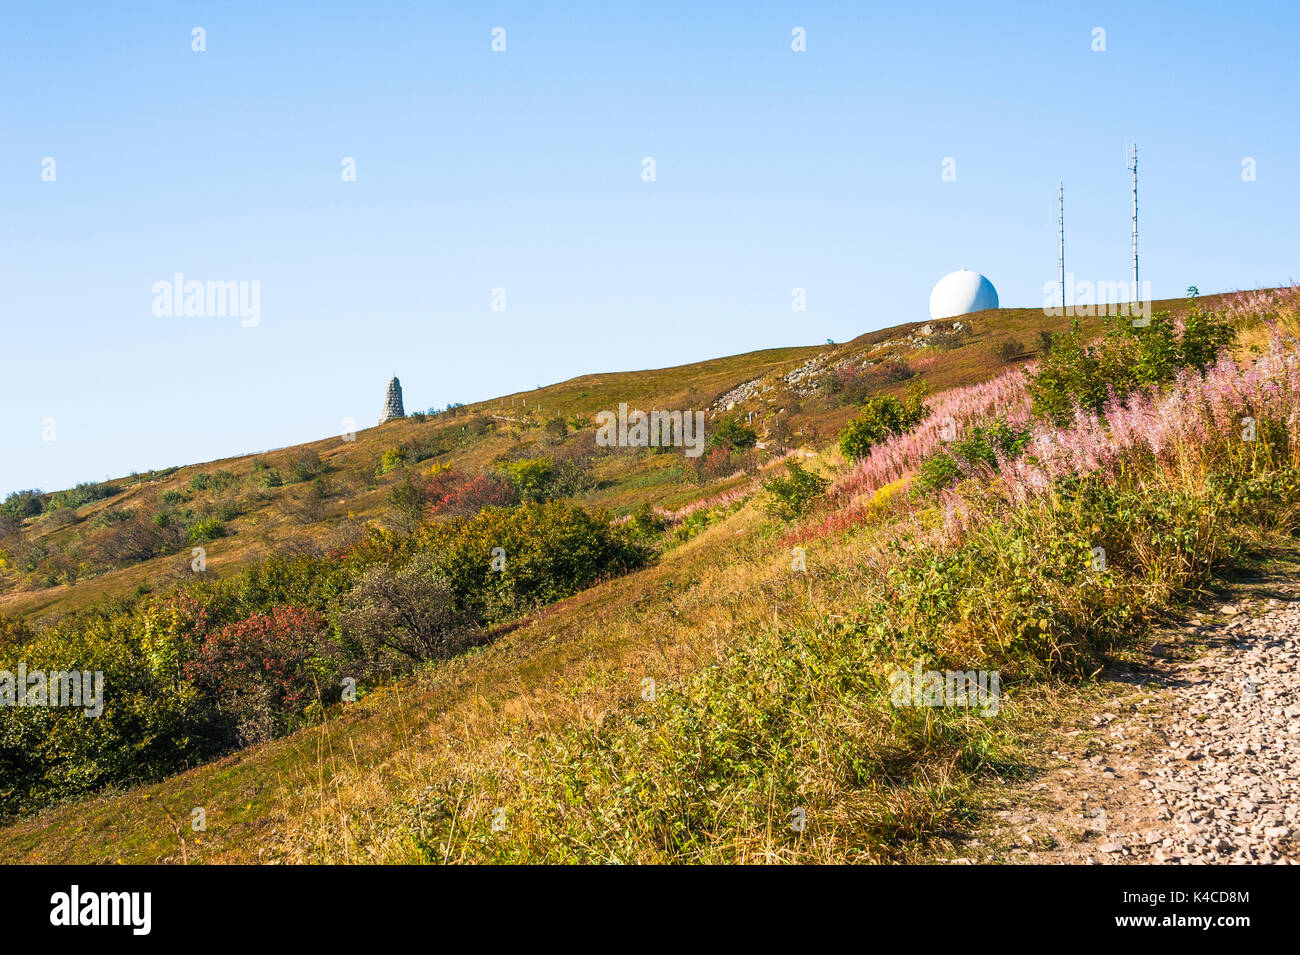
[522,170]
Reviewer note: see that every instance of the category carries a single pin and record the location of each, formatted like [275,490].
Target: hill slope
[98,541]
[384,778]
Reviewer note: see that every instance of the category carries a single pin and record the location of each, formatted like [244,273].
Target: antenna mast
[1060,222]
[1134,169]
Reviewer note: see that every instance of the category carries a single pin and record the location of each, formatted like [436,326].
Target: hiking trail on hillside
[1194,759]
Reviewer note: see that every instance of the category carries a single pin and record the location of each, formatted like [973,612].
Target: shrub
[272,479]
[453,493]
[311,506]
[429,447]
[22,504]
[80,495]
[410,611]
[62,517]
[719,463]
[13,633]
[151,724]
[556,428]
[392,459]
[551,550]
[794,495]
[530,477]
[128,537]
[305,466]
[646,522]
[882,416]
[408,500]
[225,661]
[851,384]
[1010,351]
[205,529]
[982,450]
[570,476]
[263,672]
[731,434]
[1075,373]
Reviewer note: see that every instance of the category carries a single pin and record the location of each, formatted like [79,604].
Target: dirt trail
[1194,760]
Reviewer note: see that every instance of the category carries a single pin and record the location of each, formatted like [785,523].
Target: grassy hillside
[766,683]
[76,552]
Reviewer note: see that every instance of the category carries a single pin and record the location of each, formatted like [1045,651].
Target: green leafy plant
[392,459]
[979,450]
[732,434]
[1083,374]
[795,494]
[883,416]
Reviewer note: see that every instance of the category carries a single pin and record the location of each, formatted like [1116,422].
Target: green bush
[392,459]
[883,416]
[151,722]
[730,433]
[205,529]
[1078,373]
[545,478]
[981,449]
[22,504]
[794,495]
[81,494]
[550,550]
[531,477]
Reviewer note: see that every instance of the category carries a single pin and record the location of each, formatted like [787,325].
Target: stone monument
[392,402]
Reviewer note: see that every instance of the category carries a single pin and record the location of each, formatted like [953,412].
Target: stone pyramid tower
[392,402]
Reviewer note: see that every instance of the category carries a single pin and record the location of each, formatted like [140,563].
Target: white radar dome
[962,292]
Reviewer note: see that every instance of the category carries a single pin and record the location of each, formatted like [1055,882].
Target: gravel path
[1199,762]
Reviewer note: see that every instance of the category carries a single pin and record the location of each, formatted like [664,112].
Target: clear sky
[522,170]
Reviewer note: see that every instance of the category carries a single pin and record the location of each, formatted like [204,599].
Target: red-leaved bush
[454,493]
[263,672]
